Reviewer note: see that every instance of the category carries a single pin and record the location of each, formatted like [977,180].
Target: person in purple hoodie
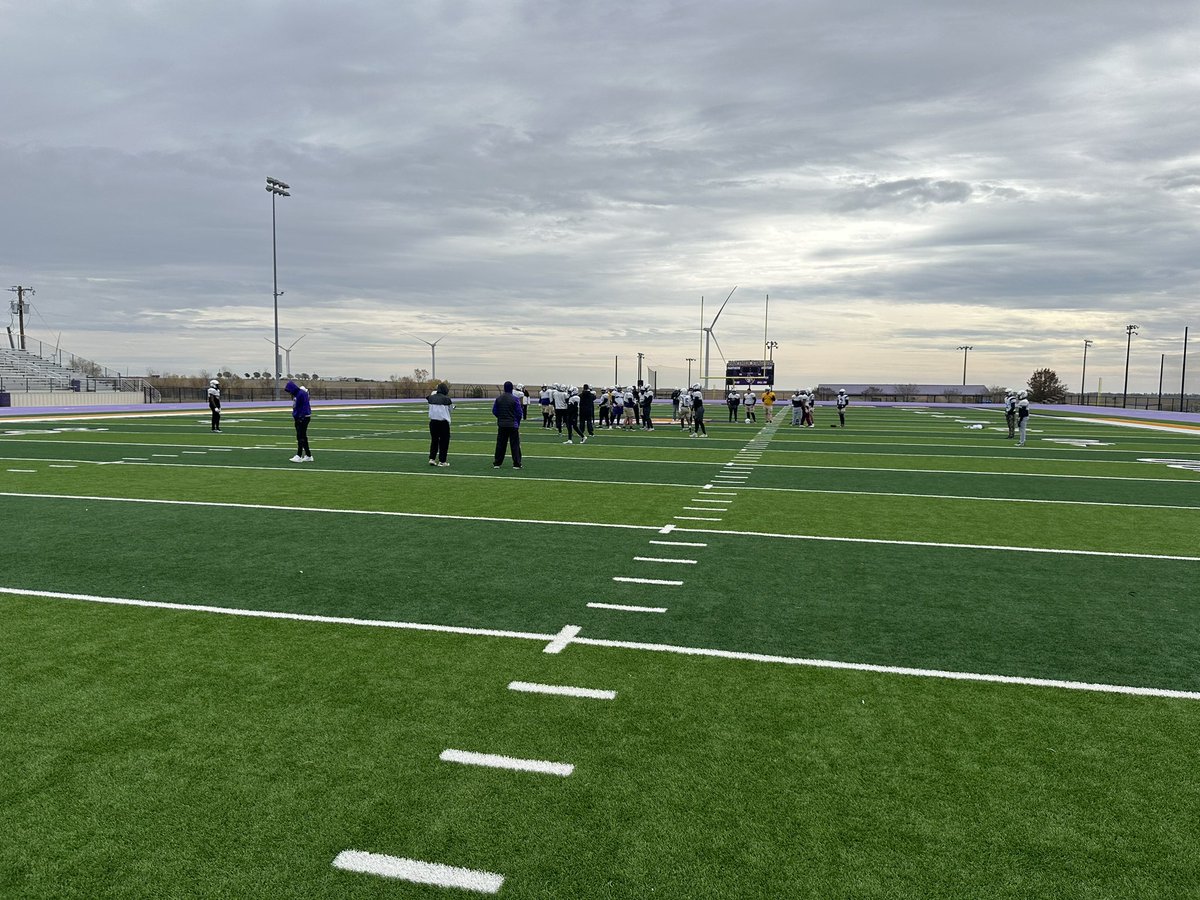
[507,410]
[301,415]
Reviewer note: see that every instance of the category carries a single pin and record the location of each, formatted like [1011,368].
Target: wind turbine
[287,352]
[432,351]
[708,333]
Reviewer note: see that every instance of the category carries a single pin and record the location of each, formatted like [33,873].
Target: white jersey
[559,398]
[749,399]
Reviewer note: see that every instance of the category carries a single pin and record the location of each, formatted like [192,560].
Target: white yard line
[418,872]
[496,761]
[660,581]
[622,607]
[679,543]
[561,690]
[624,645]
[25,471]
[661,530]
[659,559]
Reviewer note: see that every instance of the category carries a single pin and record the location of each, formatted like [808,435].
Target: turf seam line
[512,763]
[324,509]
[620,645]
[418,872]
[946,545]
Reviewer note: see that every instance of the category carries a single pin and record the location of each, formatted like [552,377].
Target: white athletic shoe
[568,441]
[433,462]
[444,465]
[584,441]
[306,459]
[297,458]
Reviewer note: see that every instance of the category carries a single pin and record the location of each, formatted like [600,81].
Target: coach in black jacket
[507,410]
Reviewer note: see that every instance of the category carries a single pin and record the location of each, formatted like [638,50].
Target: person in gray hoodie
[507,410]
[440,406]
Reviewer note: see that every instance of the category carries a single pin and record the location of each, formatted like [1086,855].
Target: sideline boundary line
[1095,687]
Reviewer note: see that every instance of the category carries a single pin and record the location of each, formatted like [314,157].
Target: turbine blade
[718,343]
[722,309]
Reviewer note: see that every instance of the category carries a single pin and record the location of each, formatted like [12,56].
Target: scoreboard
[749,372]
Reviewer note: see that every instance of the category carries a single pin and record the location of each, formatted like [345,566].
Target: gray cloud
[585,173]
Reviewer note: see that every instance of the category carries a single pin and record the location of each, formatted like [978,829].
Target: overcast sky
[558,183]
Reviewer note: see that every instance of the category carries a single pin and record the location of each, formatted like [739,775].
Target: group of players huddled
[580,411]
[628,408]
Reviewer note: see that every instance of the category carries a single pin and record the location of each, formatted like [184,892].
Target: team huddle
[626,408]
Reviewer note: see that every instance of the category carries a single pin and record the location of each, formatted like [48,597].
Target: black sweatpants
[216,418]
[508,436]
[573,423]
[302,436]
[439,439]
[560,416]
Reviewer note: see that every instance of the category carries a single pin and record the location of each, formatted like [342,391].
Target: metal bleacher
[21,370]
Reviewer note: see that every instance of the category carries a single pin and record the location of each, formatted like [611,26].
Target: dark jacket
[301,408]
[507,410]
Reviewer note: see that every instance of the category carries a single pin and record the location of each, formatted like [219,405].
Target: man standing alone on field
[301,416]
[440,406]
[214,403]
[507,410]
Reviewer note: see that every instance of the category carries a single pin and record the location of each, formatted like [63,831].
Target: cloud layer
[556,185]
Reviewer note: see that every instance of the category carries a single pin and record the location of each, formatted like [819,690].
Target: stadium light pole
[964,348]
[1083,376]
[1130,331]
[690,360]
[276,188]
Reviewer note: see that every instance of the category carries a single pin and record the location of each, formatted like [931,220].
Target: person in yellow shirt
[768,402]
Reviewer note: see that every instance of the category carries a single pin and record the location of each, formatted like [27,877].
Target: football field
[903,659]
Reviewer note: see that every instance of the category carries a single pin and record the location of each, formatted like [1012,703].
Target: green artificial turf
[173,753]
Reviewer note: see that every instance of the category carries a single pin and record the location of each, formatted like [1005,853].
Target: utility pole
[640,357]
[1183,374]
[964,348]
[21,306]
[1130,331]
[766,312]
[690,360]
[1083,377]
[616,378]
[1162,364]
